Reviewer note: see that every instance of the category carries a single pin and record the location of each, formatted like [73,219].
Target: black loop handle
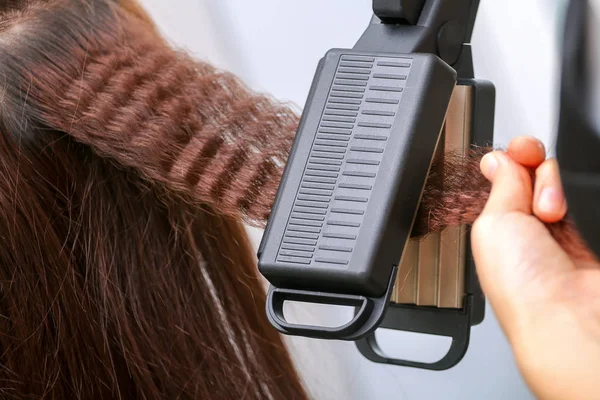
[455,324]
[369,312]
[277,297]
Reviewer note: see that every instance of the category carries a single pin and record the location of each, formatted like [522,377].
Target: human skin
[547,303]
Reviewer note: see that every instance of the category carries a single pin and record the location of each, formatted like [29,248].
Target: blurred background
[274,46]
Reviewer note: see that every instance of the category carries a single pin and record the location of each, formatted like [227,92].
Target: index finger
[527,151]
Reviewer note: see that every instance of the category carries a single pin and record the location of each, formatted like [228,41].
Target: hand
[547,303]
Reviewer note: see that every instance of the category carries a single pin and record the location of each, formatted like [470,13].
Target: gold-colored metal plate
[432,270]
[428,270]
[405,291]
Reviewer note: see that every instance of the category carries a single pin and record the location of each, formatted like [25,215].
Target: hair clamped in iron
[342,219]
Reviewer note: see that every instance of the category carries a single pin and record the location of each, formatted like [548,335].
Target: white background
[275,45]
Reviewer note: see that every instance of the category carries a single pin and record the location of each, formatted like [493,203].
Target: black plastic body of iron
[355,175]
[353,183]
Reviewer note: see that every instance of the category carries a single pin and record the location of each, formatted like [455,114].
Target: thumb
[511,184]
[517,259]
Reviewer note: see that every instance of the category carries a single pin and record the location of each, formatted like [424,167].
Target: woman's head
[125,168]
[114,284]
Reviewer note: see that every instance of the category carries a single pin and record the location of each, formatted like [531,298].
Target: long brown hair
[125,170]
[114,283]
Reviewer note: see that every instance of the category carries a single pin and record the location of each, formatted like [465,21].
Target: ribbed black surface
[344,161]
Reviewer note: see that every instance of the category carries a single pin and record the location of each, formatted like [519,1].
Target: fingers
[517,259]
[549,203]
[511,184]
[519,265]
[527,151]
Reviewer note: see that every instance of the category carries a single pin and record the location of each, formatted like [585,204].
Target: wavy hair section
[182,123]
[203,135]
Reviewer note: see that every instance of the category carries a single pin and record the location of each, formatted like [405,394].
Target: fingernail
[489,164]
[541,145]
[551,200]
[535,140]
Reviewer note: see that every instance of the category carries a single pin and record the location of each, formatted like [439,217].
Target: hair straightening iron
[339,232]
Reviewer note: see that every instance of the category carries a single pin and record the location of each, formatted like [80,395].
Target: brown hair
[181,123]
[125,170]
[115,283]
